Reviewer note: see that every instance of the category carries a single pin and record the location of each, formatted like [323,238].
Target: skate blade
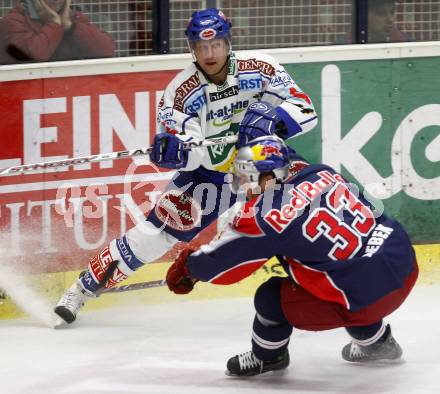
[58,323]
[385,361]
[279,372]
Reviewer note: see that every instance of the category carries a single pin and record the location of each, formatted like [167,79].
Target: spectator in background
[381,22]
[47,30]
[141,38]
[382,26]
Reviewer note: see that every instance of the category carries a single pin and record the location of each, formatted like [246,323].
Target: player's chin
[212,69]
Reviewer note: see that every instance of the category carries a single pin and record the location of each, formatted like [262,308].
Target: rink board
[51,286]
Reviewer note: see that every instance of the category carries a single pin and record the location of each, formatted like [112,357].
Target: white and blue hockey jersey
[194,108]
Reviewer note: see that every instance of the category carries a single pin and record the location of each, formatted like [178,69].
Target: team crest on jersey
[178,210]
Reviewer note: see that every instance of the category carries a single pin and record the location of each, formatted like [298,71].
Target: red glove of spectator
[178,279]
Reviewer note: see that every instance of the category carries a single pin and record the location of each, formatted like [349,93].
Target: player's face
[211,55]
[266,181]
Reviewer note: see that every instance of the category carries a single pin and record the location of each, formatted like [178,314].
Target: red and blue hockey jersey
[329,238]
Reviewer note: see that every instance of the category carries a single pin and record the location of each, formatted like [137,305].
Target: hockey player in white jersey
[207,99]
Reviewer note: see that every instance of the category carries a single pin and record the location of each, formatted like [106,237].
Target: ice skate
[71,302]
[386,348]
[246,364]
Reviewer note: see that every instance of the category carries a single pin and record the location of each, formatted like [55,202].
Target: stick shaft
[27,168]
[135,286]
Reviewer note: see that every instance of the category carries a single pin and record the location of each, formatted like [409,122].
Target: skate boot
[386,348]
[72,301]
[246,364]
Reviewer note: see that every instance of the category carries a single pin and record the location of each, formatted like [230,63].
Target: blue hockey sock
[271,330]
[269,339]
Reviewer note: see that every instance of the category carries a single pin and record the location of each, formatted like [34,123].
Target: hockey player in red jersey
[346,265]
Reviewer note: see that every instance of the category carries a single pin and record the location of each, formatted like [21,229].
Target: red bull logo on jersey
[302,195]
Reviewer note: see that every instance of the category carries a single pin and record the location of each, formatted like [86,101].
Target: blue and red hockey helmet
[266,154]
[207,25]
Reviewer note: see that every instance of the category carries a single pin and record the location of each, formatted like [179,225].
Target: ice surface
[182,348]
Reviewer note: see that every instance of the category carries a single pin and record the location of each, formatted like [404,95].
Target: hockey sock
[112,265]
[367,334]
[271,330]
[269,339]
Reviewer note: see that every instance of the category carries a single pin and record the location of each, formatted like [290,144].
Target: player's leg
[371,338]
[113,264]
[270,336]
[373,342]
[190,203]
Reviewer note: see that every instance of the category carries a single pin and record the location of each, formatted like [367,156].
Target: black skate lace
[248,361]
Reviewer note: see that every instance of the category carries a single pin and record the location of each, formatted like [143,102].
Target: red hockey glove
[178,279]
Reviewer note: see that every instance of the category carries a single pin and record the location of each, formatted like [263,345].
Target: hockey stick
[150,284]
[135,286]
[26,168]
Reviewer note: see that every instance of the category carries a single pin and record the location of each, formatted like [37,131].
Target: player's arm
[293,105]
[174,127]
[233,257]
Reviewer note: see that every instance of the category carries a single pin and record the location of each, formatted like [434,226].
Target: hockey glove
[288,126]
[260,120]
[178,278]
[167,151]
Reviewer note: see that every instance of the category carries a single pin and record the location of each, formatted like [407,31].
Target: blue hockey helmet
[267,154]
[207,25]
